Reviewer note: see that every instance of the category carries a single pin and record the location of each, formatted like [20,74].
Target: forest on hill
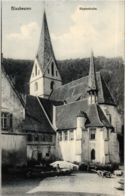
[112,70]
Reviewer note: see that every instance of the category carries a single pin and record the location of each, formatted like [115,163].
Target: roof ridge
[75,80]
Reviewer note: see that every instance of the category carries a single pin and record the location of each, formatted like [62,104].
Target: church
[79,119]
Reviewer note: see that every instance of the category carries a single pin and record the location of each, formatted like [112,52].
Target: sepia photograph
[62,97]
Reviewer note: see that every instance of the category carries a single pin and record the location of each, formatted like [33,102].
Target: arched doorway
[92,154]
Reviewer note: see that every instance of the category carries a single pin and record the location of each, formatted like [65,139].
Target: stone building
[13,141]
[80,115]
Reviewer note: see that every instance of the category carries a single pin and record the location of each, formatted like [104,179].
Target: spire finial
[92,76]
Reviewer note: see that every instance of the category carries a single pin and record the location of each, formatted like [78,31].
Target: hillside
[112,70]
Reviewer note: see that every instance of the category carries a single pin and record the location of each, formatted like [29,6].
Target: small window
[36,86]
[48,71]
[6,120]
[92,134]
[56,73]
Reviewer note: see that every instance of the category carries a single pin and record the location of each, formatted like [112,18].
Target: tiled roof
[96,117]
[45,51]
[66,115]
[36,119]
[77,90]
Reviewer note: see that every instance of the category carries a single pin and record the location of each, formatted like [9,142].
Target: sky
[74,30]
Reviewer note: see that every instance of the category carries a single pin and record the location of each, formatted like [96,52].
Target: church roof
[92,84]
[45,51]
[66,115]
[36,119]
[77,90]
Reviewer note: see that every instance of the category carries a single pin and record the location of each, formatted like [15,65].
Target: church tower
[92,83]
[45,75]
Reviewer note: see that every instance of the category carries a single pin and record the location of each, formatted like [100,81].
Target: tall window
[6,120]
[52,69]
[92,154]
[71,135]
[52,85]
[36,70]
[36,86]
[65,135]
[29,138]
[60,136]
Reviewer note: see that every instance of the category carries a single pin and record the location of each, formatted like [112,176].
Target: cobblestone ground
[77,184]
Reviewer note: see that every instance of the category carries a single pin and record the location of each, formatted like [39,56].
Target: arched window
[36,86]
[52,85]
[92,154]
[52,69]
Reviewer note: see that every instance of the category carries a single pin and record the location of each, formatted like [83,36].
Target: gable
[51,70]
[36,71]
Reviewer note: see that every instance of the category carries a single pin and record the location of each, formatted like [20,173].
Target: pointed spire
[45,50]
[92,85]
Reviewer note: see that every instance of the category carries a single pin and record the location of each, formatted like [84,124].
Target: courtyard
[77,184]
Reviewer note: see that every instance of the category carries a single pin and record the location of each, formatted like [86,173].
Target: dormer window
[52,69]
